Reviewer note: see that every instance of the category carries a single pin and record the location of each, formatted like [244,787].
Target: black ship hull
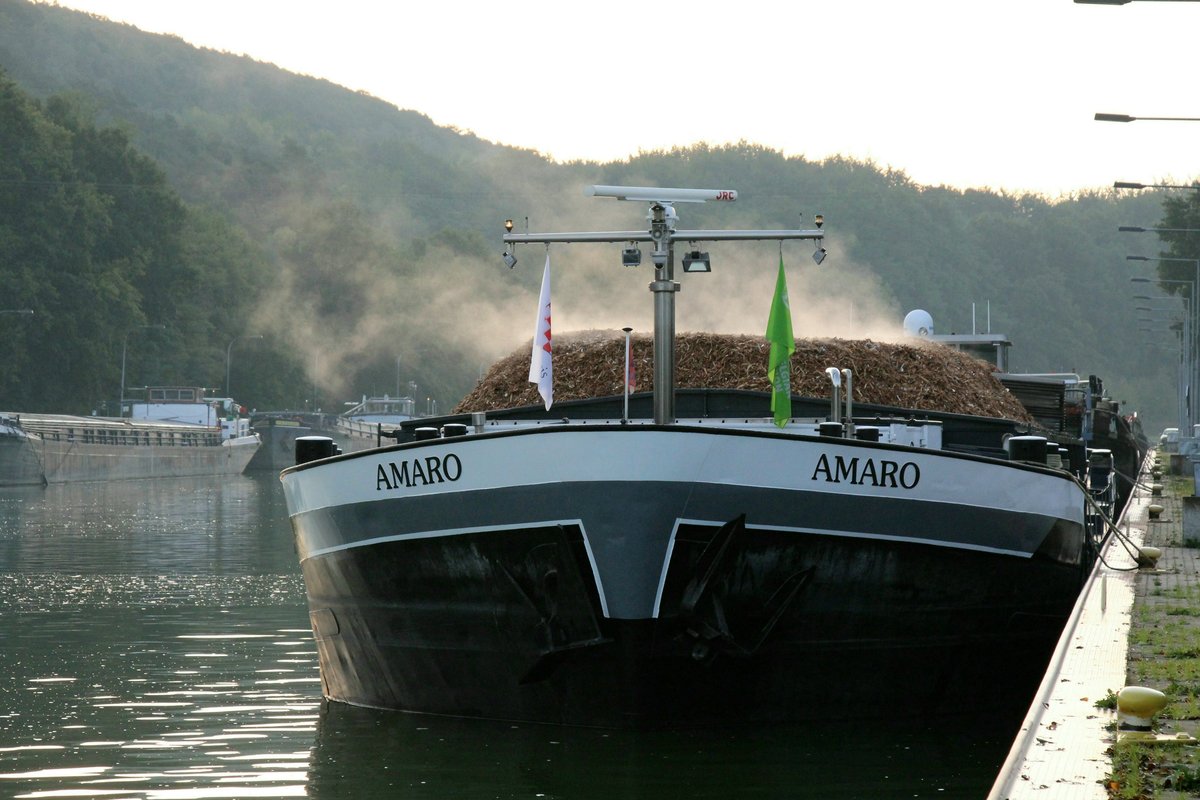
[959,632]
[639,578]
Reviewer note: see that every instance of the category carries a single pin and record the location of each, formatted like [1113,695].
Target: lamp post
[229,353]
[1193,261]
[124,348]
[1187,351]
[1195,309]
[1168,259]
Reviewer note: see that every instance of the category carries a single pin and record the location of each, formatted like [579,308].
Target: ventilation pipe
[835,403]
[848,395]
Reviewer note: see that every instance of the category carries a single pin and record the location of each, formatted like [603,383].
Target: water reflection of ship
[370,753]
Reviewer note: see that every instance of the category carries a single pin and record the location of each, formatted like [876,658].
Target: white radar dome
[918,323]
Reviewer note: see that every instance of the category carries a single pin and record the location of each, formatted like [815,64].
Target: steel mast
[663,234]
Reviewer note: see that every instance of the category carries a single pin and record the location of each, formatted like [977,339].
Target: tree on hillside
[54,222]
[95,242]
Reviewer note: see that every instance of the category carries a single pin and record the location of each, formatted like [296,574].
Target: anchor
[542,594]
[702,607]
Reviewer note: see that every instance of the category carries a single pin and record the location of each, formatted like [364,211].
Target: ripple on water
[39,592]
[210,732]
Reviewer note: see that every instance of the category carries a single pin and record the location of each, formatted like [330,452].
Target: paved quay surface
[1061,750]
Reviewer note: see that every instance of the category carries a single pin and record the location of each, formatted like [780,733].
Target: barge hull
[643,586]
[65,462]
[19,465]
[510,627]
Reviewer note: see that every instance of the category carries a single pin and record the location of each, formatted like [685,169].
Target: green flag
[783,344]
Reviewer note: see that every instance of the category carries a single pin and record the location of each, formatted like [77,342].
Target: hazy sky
[960,92]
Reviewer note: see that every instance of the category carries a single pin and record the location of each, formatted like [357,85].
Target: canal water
[154,645]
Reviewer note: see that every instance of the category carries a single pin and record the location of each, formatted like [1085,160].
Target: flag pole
[627,354]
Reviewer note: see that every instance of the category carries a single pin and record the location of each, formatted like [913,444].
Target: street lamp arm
[1140,229]
[1126,2]
[1127,118]
[1133,185]
[1164,258]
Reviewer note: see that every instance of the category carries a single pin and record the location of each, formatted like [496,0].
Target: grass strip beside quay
[1164,654]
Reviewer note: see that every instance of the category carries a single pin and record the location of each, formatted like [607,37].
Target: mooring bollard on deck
[311,448]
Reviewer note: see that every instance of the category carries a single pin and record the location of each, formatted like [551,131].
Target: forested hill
[362,241]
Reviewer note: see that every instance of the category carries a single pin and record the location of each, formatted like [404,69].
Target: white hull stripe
[709,457]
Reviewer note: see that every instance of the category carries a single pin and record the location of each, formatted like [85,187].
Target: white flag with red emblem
[541,365]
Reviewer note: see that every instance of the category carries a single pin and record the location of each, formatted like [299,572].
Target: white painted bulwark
[691,455]
[1062,748]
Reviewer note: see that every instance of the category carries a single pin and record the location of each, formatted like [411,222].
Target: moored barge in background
[174,432]
[358,428]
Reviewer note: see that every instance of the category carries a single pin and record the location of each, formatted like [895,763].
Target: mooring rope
[1113,528]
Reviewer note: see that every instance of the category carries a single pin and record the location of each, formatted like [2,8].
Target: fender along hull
[670,576]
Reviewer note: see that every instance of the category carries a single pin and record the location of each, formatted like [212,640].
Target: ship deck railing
[926,434]
[360,428]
